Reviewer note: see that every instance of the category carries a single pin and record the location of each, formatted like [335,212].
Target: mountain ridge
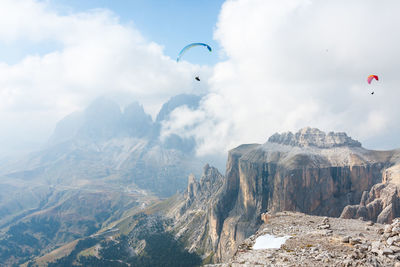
[102,151]
[308,136]
[216,213]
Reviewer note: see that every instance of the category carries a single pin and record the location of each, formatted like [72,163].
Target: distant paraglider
[186,48]
[370,78]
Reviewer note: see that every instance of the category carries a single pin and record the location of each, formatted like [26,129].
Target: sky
[171,24]
[276,66]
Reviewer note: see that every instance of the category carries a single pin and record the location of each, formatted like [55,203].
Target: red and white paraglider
[370,78]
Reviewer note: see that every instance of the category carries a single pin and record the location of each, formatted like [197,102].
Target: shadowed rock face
[309,171]
[194,218]
[382,202]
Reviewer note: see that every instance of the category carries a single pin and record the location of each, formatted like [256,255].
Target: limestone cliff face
[382,202]
[310,172]
[194,222]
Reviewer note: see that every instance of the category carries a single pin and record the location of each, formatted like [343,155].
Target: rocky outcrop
[194,222]
[309,171]
[314,137]
[381,203]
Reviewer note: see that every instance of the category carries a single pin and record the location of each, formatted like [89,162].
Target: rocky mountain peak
[193,187]
[314,137]
[136,122]
[209,183]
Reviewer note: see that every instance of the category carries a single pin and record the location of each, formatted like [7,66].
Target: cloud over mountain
[301,63]
[81,56]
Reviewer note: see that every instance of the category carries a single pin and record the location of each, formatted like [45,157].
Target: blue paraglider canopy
[183,51]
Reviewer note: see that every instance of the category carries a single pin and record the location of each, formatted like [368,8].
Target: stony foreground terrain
[321,241]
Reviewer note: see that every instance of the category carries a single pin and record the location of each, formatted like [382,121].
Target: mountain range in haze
[113,161]
[106,188]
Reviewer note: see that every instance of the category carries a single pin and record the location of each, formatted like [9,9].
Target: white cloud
[296,63]
[289,64]
[95,55]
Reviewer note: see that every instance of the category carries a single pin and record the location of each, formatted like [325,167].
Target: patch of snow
[269,241]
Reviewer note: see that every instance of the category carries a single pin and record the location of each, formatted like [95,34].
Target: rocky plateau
[321,241]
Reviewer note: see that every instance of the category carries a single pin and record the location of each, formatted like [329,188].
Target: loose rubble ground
[322,241]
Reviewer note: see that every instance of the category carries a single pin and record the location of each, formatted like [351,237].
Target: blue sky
[170,23]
